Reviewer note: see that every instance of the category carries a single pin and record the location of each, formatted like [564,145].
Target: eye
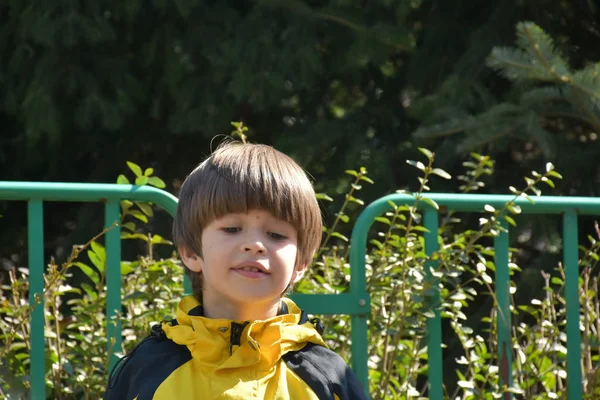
[231,229]
[276,236]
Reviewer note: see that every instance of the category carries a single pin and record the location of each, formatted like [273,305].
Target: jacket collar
[198,311]
[224,344]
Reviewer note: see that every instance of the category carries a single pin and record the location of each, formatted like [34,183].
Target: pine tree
[550,103]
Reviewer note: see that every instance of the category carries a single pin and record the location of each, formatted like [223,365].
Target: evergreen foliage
[548,102]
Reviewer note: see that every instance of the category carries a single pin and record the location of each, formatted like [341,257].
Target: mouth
[252,267]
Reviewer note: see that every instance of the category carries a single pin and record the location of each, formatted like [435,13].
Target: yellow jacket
[194,357]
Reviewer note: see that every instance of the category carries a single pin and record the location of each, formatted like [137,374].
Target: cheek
[287,252]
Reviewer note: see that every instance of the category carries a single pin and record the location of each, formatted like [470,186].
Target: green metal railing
[355,303]
[568,207]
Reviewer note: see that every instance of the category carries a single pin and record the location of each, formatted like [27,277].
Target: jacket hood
[224,344]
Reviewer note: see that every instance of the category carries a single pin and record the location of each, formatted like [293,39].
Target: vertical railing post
[434,325]
[358,284]
[360,346]
[571,264]
[187,285]
[35,248]
[113,280]
[503,310]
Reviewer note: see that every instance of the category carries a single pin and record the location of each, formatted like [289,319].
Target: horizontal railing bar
[332,304]
[73,192]
[476,202]
[86,192]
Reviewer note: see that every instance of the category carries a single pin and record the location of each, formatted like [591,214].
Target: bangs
[255,181]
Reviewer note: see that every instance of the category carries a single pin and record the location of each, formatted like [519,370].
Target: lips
[252,267]
[252,271]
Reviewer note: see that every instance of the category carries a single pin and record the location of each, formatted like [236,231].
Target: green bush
[396,278]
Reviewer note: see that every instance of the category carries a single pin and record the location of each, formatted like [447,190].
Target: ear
[298,273]
[190,259]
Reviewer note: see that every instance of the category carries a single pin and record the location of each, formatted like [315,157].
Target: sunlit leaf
[441,173]
[339,236]
[135,168]
[157,182]
[122,180]
[323,196]
[427,153]
[416,164]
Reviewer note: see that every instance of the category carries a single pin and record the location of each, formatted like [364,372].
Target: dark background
[86,86]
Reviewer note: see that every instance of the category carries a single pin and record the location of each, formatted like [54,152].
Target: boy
[247,226]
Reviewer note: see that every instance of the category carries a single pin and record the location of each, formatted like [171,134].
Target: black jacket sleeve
[140,373]
[326,373]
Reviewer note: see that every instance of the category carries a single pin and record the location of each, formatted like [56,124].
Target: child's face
[248,259]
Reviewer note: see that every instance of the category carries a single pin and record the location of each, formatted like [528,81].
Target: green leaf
[529,199]
[323,196]
[554,174]
[429,201]
[135,168]
[351,172]
[355,200]
[100,252]
[140,236]
[344,218]
[557,281]
[510,220]
[366,179]
[376,243]
[146,209]
[513,208]
[90,291]
[157,239]
[441,173]
[141,180]
[98,263]
[383,220]
[548,182]
[148,172]
[427,153]
[139,215]
[122,180]
[88,271]
[156,182]
[126,268]
[416,164]
[339,236]
[129,226]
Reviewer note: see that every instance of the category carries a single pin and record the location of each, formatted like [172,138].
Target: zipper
[236,335]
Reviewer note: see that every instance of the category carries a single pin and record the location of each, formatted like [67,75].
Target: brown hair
[239,177]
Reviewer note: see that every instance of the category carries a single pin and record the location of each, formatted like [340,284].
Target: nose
[254,247]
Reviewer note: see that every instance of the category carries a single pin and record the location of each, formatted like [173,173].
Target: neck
[239,312]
